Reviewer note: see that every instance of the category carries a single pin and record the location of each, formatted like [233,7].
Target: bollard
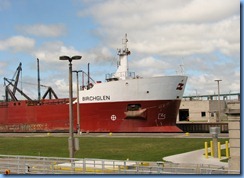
[227,149]
[206,149]
[76,144]
[212,149]
[215,131]
[27,169]
[219,150]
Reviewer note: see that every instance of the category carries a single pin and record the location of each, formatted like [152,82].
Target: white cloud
[170,27]
[51,51]
[98,55]
[62,85]
[17,43]
[127,12]
[208,11]
[160,33]
[149,66]
[169,30]
[54,30]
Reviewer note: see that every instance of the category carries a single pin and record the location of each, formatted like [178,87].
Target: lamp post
[71,119]
[78,101]
[218,118]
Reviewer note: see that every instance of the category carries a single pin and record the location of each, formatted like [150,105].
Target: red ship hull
[124,103]
[53,116]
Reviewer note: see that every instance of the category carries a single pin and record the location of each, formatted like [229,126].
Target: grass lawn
[144,149]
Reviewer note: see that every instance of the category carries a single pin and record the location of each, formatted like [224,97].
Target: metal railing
[120,74]
[52,165]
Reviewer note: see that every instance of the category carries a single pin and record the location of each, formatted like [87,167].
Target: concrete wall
[196,107]
[213,105]
[234,139]
[214,108]
[234,105]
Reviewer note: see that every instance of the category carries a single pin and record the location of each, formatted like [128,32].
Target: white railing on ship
[55,165]
[121,74]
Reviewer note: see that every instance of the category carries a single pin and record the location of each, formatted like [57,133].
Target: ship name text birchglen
[96,98]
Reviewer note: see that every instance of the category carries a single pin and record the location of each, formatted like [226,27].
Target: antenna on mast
[181,70]
[182,67]
[125,51]
[124,41]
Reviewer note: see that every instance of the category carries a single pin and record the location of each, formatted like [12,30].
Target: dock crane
[11,93]
[12,86]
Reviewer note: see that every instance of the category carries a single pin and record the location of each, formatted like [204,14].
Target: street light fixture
[70,59]
[218,118]
[71,119]
[78,102]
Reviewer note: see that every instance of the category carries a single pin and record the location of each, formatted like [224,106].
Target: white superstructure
[124,86]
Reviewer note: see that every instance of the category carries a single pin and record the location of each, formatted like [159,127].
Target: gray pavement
[146,135]
[196,157]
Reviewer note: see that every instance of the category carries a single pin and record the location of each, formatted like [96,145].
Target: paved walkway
[196,157]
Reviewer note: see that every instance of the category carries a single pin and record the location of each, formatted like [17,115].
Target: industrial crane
[12,86]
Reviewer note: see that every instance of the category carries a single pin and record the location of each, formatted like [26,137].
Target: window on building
[203,114]
[184,115]
[212,114]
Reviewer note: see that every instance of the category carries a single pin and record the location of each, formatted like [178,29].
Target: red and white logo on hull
[180,86]
[161,116]
[113,117]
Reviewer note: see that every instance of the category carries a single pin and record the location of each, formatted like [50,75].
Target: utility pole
[78,101]
[71,118]
[218,118]
[38,80]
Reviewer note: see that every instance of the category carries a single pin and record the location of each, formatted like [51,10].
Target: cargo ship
[124,102]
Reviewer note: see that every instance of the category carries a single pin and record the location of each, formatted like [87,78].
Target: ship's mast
[38,80]
[123,69]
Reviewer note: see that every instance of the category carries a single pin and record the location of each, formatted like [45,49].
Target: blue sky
[163,34]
